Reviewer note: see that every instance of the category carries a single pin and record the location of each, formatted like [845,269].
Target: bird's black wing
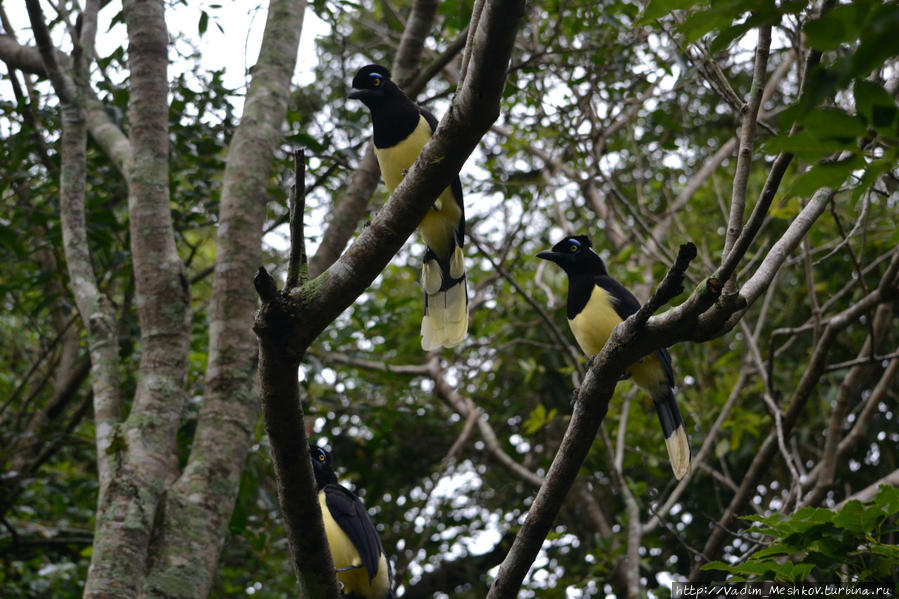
[455,184]
[350,515]
[626,304]
[624,301]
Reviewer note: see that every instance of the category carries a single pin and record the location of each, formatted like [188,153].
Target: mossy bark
[143,464]
[198,505]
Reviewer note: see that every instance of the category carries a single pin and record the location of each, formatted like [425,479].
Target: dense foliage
[614,118]
[850,542]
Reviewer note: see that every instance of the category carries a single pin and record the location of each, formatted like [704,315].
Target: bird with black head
[596,304]
[401,129]
[362,567]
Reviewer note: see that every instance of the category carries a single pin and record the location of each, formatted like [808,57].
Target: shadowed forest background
[138,202]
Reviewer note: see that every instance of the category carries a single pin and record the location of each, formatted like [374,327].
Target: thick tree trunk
[144,449]
[199,505]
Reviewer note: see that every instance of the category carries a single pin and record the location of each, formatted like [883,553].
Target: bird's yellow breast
[400,157]
[345,555]
[593,326]
[438,226]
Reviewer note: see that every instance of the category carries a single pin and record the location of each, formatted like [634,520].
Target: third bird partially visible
[362,567]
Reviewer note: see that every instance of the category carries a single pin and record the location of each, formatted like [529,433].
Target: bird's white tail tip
[679,452]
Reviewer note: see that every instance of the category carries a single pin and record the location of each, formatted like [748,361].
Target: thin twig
[297,267]
[476,11]
[861,361]
[750,111]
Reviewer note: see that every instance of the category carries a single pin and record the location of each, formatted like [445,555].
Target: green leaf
[659,8]
[850,517]
[873,53]
[873,517]
[874,104]
[825,174]
[888,498]
[700,23]
[833,28]
[879,41]
[759,568]
[722,13]
[775,549]
[803,144]
[833,123]
[799,572]
[204,22]
[728,35]
[717,565]
[875,169]
[537,419]
[889,551]
[807,517]
[819,85]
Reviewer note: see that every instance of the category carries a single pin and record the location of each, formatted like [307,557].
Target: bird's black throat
[393,120]
[580,286]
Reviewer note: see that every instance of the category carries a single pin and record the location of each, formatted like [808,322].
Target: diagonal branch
[63,86]
[868,493]
[850,388]
[287,323]
[100,126]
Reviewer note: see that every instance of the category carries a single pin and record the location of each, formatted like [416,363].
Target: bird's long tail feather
[675,433]
[445,320]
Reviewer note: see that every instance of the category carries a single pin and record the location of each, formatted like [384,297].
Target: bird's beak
[550,255]
[358,94]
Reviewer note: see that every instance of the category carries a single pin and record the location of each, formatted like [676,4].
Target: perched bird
[596,304]
[401,129]
[362,567]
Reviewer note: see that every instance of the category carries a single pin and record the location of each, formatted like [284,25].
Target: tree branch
[287,323]
[104,131]
[145,464]
[850,388]
[750,112]
[96,310]
[297,269]
[868,493]
[63,86]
